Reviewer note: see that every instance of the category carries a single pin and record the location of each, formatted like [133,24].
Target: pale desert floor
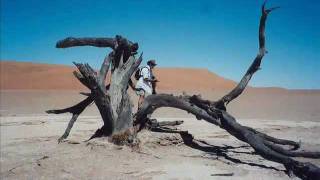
[29,148]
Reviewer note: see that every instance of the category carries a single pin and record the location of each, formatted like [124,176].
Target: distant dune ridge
[33,88]
[26,75]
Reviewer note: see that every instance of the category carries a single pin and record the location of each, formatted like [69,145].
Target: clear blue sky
[218,35]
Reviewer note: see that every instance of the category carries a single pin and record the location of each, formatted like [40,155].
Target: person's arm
[151,80]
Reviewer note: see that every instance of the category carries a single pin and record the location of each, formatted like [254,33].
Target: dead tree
[113,100]
[121,126]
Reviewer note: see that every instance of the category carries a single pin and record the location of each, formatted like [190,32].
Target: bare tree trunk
[113,101]
[114,105]
[120,102]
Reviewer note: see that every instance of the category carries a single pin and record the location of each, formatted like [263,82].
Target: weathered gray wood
[104,68]
[279,149]
[112,43]
[99,94]
[273,153]
[259,141]
[255,66]
[119,45]
[120,103]
[153,102]
[88,41]
[76,110]
[153,123]
[114,105]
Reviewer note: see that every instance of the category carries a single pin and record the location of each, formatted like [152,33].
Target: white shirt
[145,73]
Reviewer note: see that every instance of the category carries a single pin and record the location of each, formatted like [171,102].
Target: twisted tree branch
[76,110]
[215,112]
[254,67]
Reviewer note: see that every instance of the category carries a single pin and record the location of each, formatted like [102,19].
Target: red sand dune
[190,79]
[25,75]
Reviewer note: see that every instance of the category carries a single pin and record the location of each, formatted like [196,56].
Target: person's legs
[141,94]
[140,101]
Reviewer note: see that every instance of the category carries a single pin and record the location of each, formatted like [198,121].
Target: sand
[29,148]
[253,103]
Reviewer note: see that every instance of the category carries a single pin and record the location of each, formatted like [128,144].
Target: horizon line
[181,67]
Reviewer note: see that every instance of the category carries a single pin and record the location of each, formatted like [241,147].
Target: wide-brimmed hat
[152,62]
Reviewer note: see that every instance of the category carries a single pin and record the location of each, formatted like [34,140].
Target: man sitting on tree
[146,82]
